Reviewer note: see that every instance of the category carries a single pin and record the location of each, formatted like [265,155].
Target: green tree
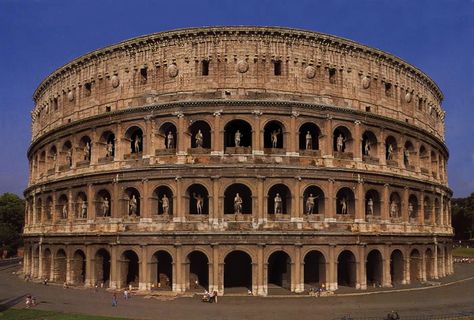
[12,217]
[463,217]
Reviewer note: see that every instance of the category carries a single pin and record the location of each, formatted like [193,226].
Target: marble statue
[165,204]
[343,203]
[277,204]
[132,206]
[309,141]
[237,138]
[406,157]
[310,202]
[410,210]
[340,141]
[105,206]
[367,148]
[274,137]
[87,151]
[389,151]
[370,206]
[69,157]
[393,209]
[83,209]
[136,144]
[110,149]
[199,139]
[199,202]
[170,140]
[64,211]
[238,204]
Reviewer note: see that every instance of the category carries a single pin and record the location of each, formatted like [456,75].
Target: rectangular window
[367,108]
[388,89]
[107,109]
[277,68]
[420,104]
[87,89]
[55,103]
[205,67]
[332,75]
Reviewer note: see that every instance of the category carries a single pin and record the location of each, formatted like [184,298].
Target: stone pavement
[437,300]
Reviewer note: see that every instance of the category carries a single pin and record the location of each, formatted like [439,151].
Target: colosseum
[238,159]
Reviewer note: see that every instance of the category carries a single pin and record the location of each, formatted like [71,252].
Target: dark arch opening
[413,207]
[428,209]
[102,268]
[273,135]
[79,268]
[130,268]
[314,270]
[309,134]
[391,149]
[346,269]
[415,266]
[429,264]
[396,267]
[197,194]
[372,203]
[345,201]
[374,268]
[198,274]
[107,144]
[231,199]
[200,135]
[342,140]
[135,137]
[103,203]
[162,274]
[238,270]
[163,200]
[132,202]
[60,266]
[81,206]
[238,137]
[47,261]
[85,145]
[167,135]
[279,199]
[369,144]
[279,270]
[313,200]
[408,152]
[395,205]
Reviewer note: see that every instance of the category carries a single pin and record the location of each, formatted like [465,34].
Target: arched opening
[391,150]
[369,146]
[309,135]
[372,203]
[42,163]
[342,142]
[167,138]
[66,156]
[279,270]
[395,205]
[437,210]
[132,202]
[162,271]
[134,140]
[200,132]
[396,267]
[413,207]
[345,201]
[415,266]
[107,146]
[85,147]
[39,210]
[102,268]
[47,260]
[374,268]
[314,270]
[440,260]
[346,269]
[427,210]
[78,268]
[238,199]
[198,272]
[49,208]
[62,208]
[434,164]
[198,199]
[130,270]
[273,137]
[52,158]
[238,137]
[429,264]
[238,271]
[103,203]
[162,201]
[313,200]
[424,160]
[81,206]
[408,153]
[279,199]
[60,266]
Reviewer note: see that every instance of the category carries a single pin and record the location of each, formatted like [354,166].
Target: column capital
[257,113]
[295,114]
[218,113]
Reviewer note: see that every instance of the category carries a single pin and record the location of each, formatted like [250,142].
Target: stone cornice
[187,34]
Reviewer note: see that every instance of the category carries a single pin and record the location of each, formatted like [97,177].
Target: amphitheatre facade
[238,158]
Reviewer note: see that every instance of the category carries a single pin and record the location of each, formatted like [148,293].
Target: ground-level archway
[346,269]
[279,270]
[60,266]
[197,265]
[415,266]
[374,268]
[397,273]
[162,271]
[238,271]
[130,271]
[78,268]
[314,270]
[102,268]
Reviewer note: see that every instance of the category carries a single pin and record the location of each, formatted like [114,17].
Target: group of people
[317,291]
[209,296]
[30,301]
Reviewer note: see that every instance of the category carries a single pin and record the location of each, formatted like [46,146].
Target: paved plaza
[452,298]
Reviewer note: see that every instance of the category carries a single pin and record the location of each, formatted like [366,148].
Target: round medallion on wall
[408,97]
[115,81]
[242,66]
[365,82]
[173,70]
[310,72]
[70,95]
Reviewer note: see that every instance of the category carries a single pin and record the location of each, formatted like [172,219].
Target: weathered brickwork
[238,157]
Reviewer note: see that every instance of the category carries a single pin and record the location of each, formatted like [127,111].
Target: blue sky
[36,37]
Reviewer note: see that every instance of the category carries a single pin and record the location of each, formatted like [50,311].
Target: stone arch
[47,264]
[167,136]
[106,145]
[134,140]
[434,163]
[309,134]
[129,268]
[314,269]
[238,136]
[80,205]
[391,148]
[60,266]
[395,205]
[103,203]
[66,157]
[345,195]
[397,270]
[197,194]
[424,160]
[42,162]
[342,140]
[39,209]
[279,270]
[48,212]
[78,267]
[204,128]
[346,269]
[415,265]
[408,152]
[102,264]
[372,203]
[427,209]
[238,270]
[197,270]
[369,145]
[374,268]
[85,148]
[163,200]
[276,193]
[62,207]
[429,264]
[273,135]
[313,200]
[437,211]
[161,270]
[132,202]
[230,199]
[412,206]
[52,157]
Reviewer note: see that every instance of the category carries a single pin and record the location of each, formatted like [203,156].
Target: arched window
[52,159]
[395,205]
[345,202]
[428,210]
[372,203]
[238,137]
[198,199]
[342,142]
[167,139]
[134,140]
[313,200]
[369,147]
[62,208]
[391,150]
[66,156]
[412,207]
[273,137]
[132,201]
[85,148]
[424,160]
[200,133]
[81,205]
[106,146]
[279,199]
[103,204]
[48,210]
[163,201]
[309,135]
[434,164]
[408,154]
[238,199]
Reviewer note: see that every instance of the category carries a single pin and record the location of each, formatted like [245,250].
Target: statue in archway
[69,157]
[393,209]
[199,139]
[109,149]
[389,151]
[237,138]
[105,206]
[199,202]
[136,144]
[278,201]
[343,203]
[87,151]
[309,141]
[165,204]
[170,140]
[310,202]
[274,137]
[133,206]
[64,211]
[83,209]
[411,210]
[237,203]
[370,206]
[406,157]
[367,148]
[340,143]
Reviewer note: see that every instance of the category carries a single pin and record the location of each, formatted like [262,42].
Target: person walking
[114,300]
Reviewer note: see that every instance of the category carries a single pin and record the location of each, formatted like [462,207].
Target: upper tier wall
[238,63]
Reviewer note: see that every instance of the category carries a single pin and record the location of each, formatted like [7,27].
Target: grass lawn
[31,314]
[463,252]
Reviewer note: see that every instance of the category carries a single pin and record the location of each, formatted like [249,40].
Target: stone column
[70,206]
[115,205]
[180,276]
[216,211]
[435,261]
[69,271]
[330,203]
[423,266]
[40,260]
[118,152]
[90,278]
[385,203]
[357,141]
[327,150]
[214,269]
[182,128]
[292,145]
[261,214]
[262,287]
[298,266]
[54,210]
[386,276]
[115,280]
[90,203]
[145,210]
[94,147]
[147,138]
[331,270]
[381,148]
[296,212]
[257,134]
[406,273]
[217,147]
[404,205]
[360,203]
[361,282]
[441,210]
[35,214]
[144,277]
[421,212]
[180,206]
[220,276]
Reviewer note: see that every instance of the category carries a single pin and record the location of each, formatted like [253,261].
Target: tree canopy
[463,217]
[12,213]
